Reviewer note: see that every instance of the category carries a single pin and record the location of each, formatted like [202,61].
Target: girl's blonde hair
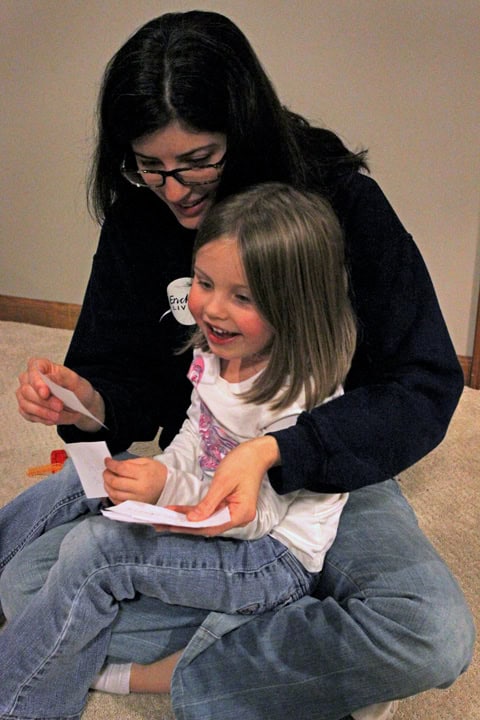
[291,247]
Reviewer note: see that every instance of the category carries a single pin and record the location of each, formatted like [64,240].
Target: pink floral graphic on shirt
[195,371]
[215,441]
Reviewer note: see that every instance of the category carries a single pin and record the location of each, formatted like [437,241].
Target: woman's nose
[174,191]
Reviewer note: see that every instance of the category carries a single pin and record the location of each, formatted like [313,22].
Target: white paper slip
[138,512]
[68,398]
[89,461]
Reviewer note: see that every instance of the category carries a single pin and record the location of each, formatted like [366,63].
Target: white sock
[382,711]
[113,679]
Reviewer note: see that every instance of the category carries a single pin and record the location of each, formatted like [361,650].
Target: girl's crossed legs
[64,630]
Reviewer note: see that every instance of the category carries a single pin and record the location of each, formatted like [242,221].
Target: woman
[388,620]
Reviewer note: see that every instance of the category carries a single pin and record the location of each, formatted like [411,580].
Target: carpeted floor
[444,489]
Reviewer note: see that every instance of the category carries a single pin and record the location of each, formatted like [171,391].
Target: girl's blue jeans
[388,619]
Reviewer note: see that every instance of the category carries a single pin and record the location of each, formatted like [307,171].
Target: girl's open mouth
[219,335]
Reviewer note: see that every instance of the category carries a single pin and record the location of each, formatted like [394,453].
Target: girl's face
[221,303]
[175,147]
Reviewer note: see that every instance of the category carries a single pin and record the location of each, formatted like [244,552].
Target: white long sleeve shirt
[217,421]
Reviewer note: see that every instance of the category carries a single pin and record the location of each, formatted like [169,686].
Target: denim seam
[347,577]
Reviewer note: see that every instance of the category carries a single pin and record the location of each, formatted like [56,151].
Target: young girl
[266,349]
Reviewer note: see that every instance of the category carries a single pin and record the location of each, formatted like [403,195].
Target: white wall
[400,77]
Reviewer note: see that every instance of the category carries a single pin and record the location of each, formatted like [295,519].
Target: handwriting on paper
[89,461]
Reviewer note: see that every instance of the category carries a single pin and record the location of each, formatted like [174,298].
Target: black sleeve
[119,344]
[405,379]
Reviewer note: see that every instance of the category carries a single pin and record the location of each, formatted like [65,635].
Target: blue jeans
[64,631]
[388,621]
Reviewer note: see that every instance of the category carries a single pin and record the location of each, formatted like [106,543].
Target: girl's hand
[37,404]
[141,479]
[236,484]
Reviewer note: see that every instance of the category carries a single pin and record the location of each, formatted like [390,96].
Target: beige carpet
[444,489]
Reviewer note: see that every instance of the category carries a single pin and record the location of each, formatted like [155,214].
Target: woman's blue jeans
[388,621]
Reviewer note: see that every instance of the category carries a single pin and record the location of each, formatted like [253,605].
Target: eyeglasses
[197,175]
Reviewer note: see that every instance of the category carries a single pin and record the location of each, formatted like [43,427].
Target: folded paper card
[68,398]
[138,512]
[89,461]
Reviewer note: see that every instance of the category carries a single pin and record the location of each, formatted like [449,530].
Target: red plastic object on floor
[58,456]
[57,460]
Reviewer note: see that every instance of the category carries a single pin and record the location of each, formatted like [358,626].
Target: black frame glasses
[135,177]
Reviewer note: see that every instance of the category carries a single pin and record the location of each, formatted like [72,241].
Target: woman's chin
[191,217]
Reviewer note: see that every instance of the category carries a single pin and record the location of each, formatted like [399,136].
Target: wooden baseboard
[39,312]
[466,364]
[65,315]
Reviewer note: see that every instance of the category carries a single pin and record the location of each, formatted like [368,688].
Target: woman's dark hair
[198,68]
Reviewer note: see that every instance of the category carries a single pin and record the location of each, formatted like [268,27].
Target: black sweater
[402,389]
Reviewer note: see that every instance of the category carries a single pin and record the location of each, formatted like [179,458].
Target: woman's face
[175,147]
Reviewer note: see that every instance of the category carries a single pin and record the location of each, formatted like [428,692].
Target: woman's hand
[236,484]
[141,479]
[37,404]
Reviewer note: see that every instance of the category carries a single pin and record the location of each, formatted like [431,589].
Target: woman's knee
[27,572]
[447,627]
[425,630]
[391,579]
